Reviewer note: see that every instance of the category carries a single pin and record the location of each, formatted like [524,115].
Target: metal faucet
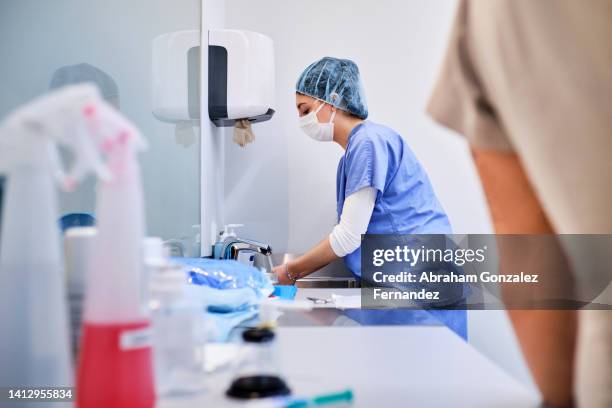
[237,245]
[242,244]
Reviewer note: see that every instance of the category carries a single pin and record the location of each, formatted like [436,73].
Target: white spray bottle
[115,368]
[34,341]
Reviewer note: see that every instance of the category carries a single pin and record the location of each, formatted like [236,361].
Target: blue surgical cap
[337,82]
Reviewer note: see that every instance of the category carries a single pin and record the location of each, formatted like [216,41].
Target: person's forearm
[314,259]
[344,239]
[547,337]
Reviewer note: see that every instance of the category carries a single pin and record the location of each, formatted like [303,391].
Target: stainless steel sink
[327,282]
[334,275]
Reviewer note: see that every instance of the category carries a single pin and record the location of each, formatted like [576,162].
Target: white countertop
[385,366]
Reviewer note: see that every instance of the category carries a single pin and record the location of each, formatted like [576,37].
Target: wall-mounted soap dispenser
[240,76]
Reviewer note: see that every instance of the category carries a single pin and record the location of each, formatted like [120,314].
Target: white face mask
[322,132]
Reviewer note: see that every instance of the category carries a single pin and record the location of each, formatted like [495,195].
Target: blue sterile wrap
[225,274]
[230,290]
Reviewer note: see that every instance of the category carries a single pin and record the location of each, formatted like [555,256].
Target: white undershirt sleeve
[356,214]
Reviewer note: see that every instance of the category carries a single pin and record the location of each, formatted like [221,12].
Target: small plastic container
[258,373]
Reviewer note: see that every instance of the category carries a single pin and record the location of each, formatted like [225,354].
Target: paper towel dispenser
[176,76]
[240,76]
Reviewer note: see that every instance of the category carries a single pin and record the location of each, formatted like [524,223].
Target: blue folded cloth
[229,290]
[221,325]
[225,300]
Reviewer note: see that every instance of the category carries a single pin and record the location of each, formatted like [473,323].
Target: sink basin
[327,282]
[334,275]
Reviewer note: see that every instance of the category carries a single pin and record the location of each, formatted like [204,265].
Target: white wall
[114,35]
[283,186]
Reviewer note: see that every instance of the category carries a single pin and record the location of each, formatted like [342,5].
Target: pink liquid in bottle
[115,370]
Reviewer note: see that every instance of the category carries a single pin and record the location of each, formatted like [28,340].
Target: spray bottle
[34,344]
[115,368]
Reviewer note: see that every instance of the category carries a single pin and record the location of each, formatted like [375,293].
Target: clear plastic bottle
[116,367]
[34,345]
[258,373]
[178,331]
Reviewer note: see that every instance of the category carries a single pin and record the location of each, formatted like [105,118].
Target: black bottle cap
[258,386]
[258,335]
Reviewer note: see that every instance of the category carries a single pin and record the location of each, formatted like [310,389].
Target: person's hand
[281,273]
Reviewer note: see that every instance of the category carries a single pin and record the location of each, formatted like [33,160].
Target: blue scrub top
[377,156]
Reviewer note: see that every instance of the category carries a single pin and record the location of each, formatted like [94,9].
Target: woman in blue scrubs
[381,188]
